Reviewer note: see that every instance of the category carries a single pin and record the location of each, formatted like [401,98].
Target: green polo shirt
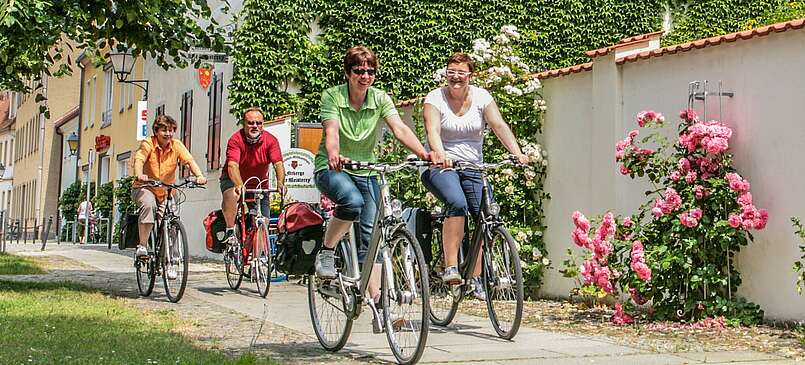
[358,131]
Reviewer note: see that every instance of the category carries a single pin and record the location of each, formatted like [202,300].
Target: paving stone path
[230,321]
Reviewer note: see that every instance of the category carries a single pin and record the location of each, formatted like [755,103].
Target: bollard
[46,232]
[24,232]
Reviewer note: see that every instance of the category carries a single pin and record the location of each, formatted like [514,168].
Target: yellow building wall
[123,124]
[36,177]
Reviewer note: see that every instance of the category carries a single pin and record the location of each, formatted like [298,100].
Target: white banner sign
[299,175]
[142,120]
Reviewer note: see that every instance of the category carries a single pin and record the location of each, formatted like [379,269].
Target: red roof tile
[712,41]
[622,43]
[564,71]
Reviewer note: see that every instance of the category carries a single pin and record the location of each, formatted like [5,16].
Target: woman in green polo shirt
[351,115]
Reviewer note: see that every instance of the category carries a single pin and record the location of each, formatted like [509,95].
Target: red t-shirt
[254,159]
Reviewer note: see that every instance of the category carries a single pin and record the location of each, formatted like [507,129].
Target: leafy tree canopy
[31,30]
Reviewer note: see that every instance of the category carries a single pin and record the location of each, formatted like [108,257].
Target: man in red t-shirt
[248,153]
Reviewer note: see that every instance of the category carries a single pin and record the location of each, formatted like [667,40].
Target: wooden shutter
[187,124]
[214,123]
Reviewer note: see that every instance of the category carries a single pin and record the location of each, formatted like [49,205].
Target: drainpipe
[39,167]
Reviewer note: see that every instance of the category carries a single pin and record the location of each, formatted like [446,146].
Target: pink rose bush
[675,254]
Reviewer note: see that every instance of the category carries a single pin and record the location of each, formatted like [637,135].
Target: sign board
[142,120]
[299,175]
[282,131]
[102,142]
[308,136]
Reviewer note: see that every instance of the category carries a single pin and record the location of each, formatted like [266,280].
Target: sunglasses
[254,123]
[359,71]
[452,73]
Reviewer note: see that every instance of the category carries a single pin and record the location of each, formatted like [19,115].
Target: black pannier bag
[300,238]
[129,232]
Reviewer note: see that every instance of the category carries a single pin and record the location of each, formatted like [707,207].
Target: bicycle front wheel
[176,258]
[330,312]
[406,310]
[263,263]
[443,303]
[233,263]
[503,282]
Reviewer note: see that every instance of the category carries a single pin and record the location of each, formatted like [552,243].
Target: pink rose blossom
[642,270]
[621,318]
[602,275]
[688,115]
[627,221]
[587,271]
[580,221]
[690,178]
[675,176]
[760,221]
[735,220]
[624,170]
[580,238]
[699,191]
[601,250]
[696,213]
[633,133]
[745,199]
[688,220]
[683,165]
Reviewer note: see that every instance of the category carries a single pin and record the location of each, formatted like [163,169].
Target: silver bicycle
[334,304]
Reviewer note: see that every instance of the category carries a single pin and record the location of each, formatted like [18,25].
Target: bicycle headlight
[494,209]
[396,208]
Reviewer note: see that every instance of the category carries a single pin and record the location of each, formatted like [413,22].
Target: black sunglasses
[359,71]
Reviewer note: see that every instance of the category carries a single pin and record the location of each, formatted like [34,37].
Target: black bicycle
[502,275]
[167,246]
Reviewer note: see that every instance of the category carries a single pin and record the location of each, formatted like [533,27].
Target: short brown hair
[163,121]
[253,109]
[459,57]
[357,56]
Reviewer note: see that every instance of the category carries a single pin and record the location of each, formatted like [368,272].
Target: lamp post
[87,210]
[123,65]
[72,143]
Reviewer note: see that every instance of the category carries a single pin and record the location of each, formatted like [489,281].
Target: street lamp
[123,65]
[72,143]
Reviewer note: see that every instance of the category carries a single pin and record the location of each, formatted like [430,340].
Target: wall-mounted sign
[102,142]
[299,175]
[142,120]
[205,76]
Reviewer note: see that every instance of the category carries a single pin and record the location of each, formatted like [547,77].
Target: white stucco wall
[766,114]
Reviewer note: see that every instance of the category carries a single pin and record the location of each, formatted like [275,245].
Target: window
[121,97]
[106,115]
[186,122]
[160,110]
[12,104]
[93,100]
[214,125]
[123,160]
[103,170]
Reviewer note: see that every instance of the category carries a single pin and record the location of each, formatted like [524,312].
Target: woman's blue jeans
[355,198]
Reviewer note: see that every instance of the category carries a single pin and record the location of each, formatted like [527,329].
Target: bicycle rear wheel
[443,303]
[262,263]
[406,310]
[233,262]
[503,282]
[145,271]
[175,255]
[330,312]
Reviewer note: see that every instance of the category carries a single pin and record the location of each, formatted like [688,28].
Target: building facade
[8,106]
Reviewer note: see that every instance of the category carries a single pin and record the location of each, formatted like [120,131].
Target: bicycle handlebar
[189,184]
[385,167]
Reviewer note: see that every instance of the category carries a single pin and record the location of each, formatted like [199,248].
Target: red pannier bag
[215,227]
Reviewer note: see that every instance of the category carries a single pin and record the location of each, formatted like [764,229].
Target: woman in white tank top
[455,119]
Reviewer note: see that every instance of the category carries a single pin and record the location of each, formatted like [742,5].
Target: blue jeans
[460,191]
[355,198]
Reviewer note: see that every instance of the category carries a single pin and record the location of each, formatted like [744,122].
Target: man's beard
[252,140]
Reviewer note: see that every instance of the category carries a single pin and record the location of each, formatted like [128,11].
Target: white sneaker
[142,252]
[172,274]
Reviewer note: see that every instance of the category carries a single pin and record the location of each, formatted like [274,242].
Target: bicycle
[167,245]
[251,229]
[502,275]
[335,304]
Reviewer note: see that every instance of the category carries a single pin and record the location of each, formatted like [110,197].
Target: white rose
[509,189]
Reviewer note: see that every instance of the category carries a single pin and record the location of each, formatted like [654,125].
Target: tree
[31,32]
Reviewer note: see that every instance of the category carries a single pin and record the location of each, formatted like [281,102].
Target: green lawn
[65,323]
[16,265]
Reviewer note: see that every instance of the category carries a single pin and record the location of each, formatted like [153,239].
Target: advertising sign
[299,175]
[142,120]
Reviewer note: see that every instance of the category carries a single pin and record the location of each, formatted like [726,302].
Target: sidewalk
[468,340]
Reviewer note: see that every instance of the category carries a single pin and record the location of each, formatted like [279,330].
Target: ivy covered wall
[411,38]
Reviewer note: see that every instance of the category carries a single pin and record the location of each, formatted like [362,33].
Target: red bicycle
[251,257]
